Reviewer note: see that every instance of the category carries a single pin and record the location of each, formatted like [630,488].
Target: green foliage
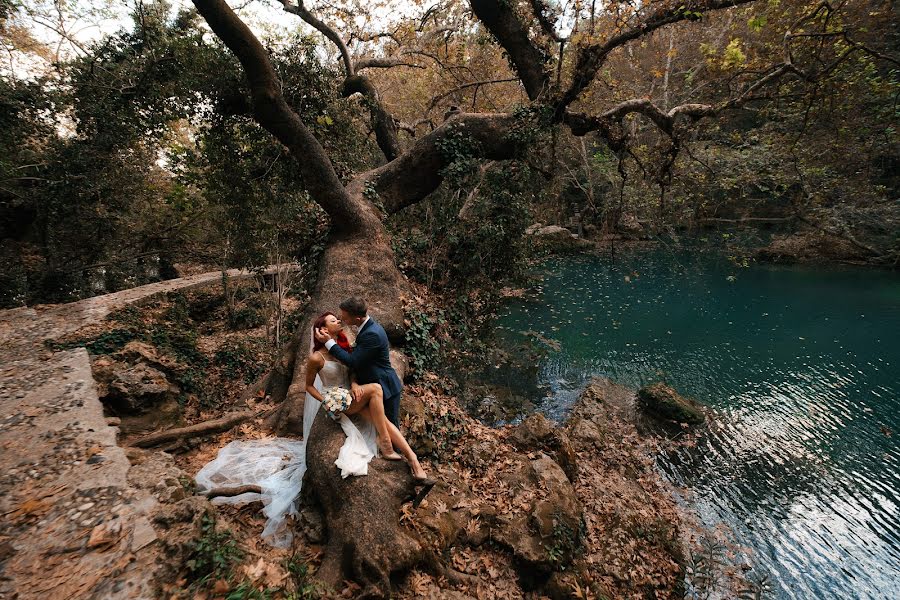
[691,15]
[733,56]
[460,152]
[757,22]
[247,591]
[533,123]
[421,342]
[238,359]
[487,247]
[213,554]
[97,209]
[565,541]
[302,584]
[246,317]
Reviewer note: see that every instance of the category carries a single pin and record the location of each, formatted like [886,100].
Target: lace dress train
[277,465]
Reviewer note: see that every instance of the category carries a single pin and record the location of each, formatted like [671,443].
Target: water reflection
[802,366]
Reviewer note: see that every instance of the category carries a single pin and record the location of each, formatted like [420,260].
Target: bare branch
[591,58]
[475,84]
[325,29]
[540,13]
[399,58]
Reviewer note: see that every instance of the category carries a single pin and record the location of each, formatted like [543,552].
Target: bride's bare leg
[372,398]
[400,442]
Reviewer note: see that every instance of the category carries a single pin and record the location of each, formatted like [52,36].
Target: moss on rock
[661,401]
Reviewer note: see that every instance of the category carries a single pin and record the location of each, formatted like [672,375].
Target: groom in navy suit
[371,359]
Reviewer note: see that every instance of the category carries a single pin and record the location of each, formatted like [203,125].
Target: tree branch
[540,9]
[399,58]
[273,113]
[417,172]
[464,86]
[527,59]
[591,58]
[324,29]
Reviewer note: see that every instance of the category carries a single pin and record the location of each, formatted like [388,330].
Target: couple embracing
[374,386]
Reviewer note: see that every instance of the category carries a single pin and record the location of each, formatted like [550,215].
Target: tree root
[205,428]
[234,491]
[275,382]
[365,541]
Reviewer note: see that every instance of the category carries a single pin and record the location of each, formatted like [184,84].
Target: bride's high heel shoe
[387,452]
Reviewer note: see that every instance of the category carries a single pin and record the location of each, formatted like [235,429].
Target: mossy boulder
[662,402]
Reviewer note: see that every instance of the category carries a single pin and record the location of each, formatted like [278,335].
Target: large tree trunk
[365,542]
[357,265]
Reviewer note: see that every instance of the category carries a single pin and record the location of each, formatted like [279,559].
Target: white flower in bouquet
[336,400]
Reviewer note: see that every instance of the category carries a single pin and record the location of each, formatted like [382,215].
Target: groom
[371,359]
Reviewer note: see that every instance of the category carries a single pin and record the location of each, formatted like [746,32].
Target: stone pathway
[75,517]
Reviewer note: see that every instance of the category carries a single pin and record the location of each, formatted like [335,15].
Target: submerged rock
[662,402]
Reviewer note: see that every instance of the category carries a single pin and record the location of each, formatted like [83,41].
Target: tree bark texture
[365,542]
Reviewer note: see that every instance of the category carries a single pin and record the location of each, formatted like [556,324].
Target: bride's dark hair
[341,339]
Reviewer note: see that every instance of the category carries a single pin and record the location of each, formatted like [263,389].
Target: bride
[368,399]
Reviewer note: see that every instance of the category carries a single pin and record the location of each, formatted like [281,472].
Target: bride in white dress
[368,399]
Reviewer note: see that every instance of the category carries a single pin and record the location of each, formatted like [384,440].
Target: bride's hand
[355,391]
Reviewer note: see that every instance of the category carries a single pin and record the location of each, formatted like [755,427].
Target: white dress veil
[277,466]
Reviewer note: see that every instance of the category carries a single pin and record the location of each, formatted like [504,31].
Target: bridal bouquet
[336,400]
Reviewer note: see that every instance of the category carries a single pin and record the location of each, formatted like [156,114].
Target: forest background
[129,146]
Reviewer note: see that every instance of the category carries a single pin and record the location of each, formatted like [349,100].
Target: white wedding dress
[277,465]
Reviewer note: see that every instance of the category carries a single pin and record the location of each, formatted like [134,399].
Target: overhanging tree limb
[527,58]
[301,11]
[383,123]
[272,112]
[417,172]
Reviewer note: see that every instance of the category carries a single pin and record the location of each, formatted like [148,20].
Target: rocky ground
[82,516]
[575,510]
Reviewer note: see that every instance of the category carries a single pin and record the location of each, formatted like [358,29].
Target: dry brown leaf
[255,571]
[221,587]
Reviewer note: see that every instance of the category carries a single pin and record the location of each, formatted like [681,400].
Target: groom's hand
[355,391]
[322,335]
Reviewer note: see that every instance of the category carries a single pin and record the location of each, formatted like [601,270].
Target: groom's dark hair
[355,306]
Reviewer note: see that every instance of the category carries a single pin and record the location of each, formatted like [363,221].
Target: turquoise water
[802,364]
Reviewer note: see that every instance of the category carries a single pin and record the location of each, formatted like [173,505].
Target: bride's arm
[313,366]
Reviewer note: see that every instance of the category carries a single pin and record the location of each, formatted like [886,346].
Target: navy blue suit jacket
[371,359]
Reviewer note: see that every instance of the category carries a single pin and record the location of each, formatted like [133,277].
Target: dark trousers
[392,408]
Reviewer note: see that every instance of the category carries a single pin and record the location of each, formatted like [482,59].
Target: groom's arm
[365,352]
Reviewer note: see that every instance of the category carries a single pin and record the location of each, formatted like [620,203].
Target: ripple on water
[799,464]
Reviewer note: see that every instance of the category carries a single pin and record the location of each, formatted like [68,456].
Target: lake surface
[803,367]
